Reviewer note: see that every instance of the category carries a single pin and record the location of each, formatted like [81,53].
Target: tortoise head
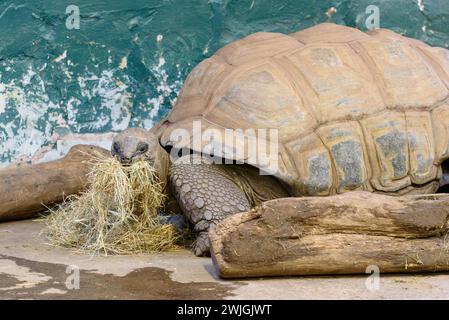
[136,144]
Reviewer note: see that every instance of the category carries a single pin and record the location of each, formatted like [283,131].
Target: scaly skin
[206,193]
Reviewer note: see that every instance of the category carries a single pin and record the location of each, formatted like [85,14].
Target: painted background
[127,62]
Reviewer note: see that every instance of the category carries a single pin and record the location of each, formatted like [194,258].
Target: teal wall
[54,80]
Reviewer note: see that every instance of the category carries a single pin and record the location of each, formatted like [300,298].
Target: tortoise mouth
[130,162]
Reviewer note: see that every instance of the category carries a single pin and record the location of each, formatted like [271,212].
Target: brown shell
[354,110]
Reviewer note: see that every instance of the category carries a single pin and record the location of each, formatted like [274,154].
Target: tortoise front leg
[206,195]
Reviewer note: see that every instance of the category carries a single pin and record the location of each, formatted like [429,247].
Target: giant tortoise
[353,111]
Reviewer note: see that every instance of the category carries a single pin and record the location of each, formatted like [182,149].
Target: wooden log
[342,234]
[28,189]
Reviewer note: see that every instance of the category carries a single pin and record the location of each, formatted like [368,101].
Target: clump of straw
[116,215]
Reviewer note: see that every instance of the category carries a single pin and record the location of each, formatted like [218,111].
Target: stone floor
[30,268]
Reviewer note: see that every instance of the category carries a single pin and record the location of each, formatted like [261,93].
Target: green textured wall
[54,81]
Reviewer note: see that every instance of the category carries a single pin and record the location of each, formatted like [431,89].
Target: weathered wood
[341,234]
[28,189]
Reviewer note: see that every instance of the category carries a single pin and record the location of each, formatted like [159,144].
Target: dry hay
[116,215]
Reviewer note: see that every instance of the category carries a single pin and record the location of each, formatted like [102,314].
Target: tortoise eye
[116,147]
[142,147]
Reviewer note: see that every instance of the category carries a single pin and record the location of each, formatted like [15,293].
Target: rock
[177,220]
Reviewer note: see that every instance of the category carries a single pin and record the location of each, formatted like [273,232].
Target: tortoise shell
[353,110]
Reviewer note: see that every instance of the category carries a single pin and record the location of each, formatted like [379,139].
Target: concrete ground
[30,268]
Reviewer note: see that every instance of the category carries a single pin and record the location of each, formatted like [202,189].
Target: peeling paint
[61,57]
[420,5]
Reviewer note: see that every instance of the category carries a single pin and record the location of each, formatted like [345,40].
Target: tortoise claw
[201,246]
